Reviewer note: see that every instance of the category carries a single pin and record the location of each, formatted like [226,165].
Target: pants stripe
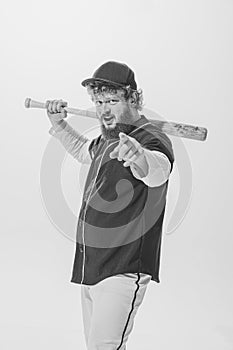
[132,308]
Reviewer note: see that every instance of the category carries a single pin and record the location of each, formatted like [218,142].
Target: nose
[106,108]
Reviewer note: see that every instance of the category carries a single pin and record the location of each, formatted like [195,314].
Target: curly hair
[98,88]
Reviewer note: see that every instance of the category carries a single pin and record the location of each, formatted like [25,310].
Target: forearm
[153,168]
[75,143]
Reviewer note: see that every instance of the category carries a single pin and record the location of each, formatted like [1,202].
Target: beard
[122,126]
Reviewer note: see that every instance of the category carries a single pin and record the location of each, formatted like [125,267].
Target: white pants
[109,308]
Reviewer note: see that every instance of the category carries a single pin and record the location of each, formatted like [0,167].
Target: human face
[114,113]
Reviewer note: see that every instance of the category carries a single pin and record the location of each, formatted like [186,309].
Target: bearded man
[119,229]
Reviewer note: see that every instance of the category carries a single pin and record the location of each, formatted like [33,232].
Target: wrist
[58,125]
[141,165]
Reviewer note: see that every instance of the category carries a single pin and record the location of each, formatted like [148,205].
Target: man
[118,238]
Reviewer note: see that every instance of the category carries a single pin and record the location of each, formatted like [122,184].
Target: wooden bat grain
[168,127]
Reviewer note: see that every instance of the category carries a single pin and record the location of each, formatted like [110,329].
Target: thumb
[122,135]
[64,113]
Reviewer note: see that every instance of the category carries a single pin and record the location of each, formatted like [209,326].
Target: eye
[98,103]
[113,101]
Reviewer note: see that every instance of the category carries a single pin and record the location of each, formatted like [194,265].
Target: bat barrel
[181,130]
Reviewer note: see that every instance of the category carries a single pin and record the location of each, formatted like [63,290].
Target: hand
[55,111]
[130,150]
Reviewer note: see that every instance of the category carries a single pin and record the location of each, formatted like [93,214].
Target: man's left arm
[152,167]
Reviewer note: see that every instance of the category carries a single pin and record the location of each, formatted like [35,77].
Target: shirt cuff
[159,168]
[75,143]
[56,128]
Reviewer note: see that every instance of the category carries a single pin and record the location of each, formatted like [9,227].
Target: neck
[135,115]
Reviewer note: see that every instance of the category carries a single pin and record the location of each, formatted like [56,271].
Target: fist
[55,111]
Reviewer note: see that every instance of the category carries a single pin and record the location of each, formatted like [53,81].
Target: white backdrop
[181,52]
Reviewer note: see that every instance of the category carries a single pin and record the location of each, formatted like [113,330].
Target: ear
[132,99]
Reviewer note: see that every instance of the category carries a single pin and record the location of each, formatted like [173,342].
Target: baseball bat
[168,127]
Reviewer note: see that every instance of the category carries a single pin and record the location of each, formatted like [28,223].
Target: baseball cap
[113,73]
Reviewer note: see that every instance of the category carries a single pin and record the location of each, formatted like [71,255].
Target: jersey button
[81,249]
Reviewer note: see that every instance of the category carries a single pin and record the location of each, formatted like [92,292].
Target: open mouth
[109,119]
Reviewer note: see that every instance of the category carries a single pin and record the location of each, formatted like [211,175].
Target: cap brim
[98,80]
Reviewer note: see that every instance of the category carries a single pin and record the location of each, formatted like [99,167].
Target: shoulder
[152,138]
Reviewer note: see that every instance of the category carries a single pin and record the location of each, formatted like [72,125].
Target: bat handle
[29,103]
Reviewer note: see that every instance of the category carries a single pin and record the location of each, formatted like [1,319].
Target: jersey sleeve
[76,144]
[160,142]
[159,168]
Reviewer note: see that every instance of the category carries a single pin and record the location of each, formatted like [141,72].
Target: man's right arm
[75,143]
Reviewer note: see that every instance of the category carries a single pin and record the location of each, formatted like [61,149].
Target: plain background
[182,54]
